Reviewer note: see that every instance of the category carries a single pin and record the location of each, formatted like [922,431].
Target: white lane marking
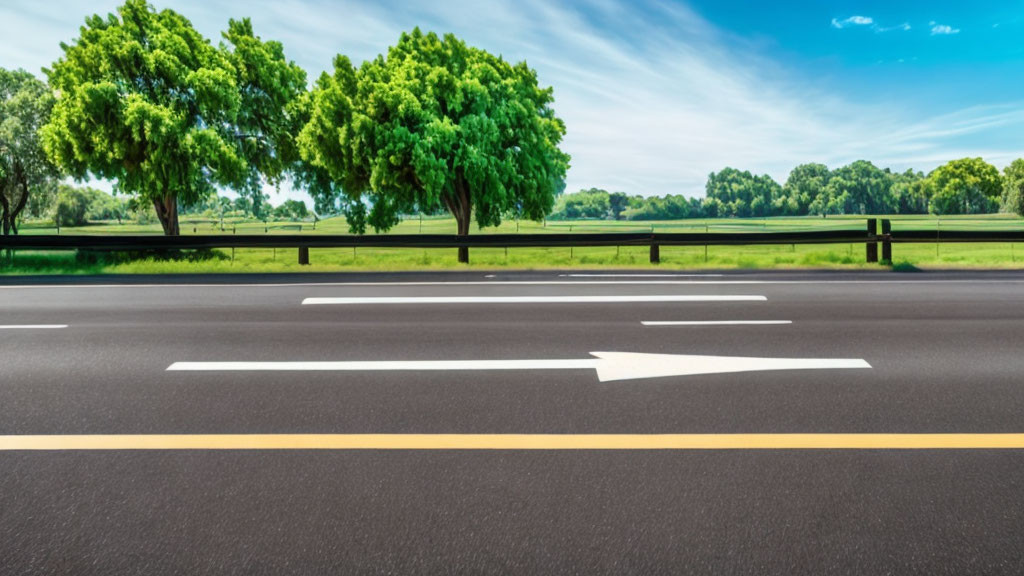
[610,366]
[715,322]
[528,299]
[32,326]
[641,275]
[505,283]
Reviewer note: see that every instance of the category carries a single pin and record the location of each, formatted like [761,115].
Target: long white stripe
[505,283]
[418,365]
[528,299]
[32,326]
[640,275]
[716,322]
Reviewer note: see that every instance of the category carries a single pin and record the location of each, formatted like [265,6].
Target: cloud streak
[868,22]
[852,21]
[943,29]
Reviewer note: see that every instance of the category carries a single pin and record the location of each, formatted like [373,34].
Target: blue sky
[658,93]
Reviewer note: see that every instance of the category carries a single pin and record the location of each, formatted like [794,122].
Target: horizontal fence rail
[869,236]
[553,240]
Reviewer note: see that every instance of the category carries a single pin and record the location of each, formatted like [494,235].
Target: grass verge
[907,257]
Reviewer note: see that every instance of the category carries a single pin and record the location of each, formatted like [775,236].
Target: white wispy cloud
[654,96]
[852,21]
[868,22]
[942,29]
[902,27]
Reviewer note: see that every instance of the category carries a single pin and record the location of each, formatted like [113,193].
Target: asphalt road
[944,349]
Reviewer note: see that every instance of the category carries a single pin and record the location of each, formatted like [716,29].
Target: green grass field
[905,256]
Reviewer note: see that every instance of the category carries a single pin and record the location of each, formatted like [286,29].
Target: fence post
[304,255]
[655,253]
[886,242]
[872,250]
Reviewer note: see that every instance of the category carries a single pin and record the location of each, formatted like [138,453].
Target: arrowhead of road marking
[613,366]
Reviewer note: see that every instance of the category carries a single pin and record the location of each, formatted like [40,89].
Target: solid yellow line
[514,442]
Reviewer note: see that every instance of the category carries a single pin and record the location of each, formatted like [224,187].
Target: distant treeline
[67,205]
[965,186]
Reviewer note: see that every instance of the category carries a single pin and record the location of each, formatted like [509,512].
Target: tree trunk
[13,217]
[167,213]
[5,211]
[463,225]
[462,209]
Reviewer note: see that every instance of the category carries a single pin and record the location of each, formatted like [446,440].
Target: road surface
[460,424]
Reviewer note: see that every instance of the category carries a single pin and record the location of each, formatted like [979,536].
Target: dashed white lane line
[32,326]
[715,322]
[531,299]
[641,275]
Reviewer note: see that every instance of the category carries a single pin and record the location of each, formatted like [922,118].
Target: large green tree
[436,122]
[145,100]
[965,186]
[270,115]
[25,105]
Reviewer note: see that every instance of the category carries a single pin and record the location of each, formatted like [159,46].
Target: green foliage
[618,202]
[145,100]
[860,188]
[72,205]
[291,210]
[806,188]
[25,105]
[76,206]
[599,204]
[965,186]
[436,123]
[41,201]
[670,207]
[592,204]
[1013,187]
[103,206]
[270,88]
[742,194]
[911,192]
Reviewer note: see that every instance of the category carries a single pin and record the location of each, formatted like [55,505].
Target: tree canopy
[25,105]
[1013,187]
[966,186]
[145,100]
[742,194]
[436,122]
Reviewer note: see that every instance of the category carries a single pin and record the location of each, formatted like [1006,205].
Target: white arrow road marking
[610,366]
[716,322]
[32,326]
[529,299]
